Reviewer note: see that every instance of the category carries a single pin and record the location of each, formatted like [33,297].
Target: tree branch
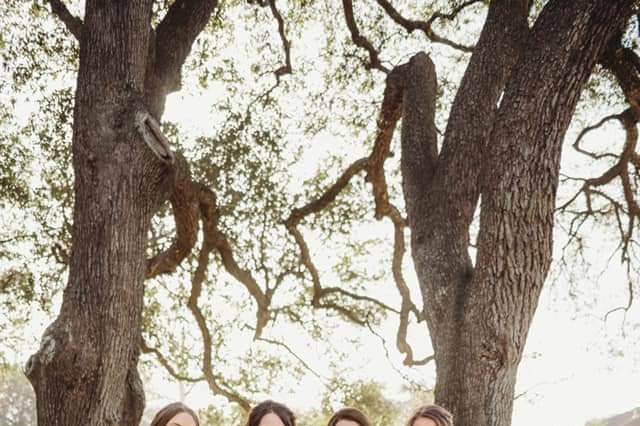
[426,26]
[360,40]
[420,362]
[586,130]
[392,108]
[192,202]
[184,202]
[286,44]
[316,206]
[328,196]
[389,115]
[174,37]
[209,219]
[215,239]
[73,23]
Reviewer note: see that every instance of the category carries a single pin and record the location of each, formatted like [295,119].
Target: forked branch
[427,26]
[216,239]
[374,166]
[587,130]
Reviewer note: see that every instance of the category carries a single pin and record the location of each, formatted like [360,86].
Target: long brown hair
[170,411]
[268,406]
[348,413]
[439,415]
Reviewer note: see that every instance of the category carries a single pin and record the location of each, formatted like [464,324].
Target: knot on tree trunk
[153,137]
[62,357]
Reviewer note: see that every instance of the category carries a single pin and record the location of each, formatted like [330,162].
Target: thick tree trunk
[85,371]
[479,316]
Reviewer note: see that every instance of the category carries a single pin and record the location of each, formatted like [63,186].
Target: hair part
[265,407]
[349,413]
[168,412]
[439,415]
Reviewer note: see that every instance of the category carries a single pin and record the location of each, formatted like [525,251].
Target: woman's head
[175,414]
[348,417]
[431,415]
[271,413]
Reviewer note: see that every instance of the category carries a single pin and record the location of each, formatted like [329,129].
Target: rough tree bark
[508,152]
[85,372]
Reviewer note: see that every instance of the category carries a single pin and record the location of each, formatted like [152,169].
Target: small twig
[629,297]
[292,353]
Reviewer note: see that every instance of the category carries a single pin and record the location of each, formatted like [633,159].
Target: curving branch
[390,113]
[192,202]
[186,212]
[209,215]
[217,240]
[420,362]
[360,40]
[454,12]
[619,170]
[329,195]
[286,44]
[316,206]
[73,23]
[427,26]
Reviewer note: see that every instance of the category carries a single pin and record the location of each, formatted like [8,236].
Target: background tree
[500,116]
